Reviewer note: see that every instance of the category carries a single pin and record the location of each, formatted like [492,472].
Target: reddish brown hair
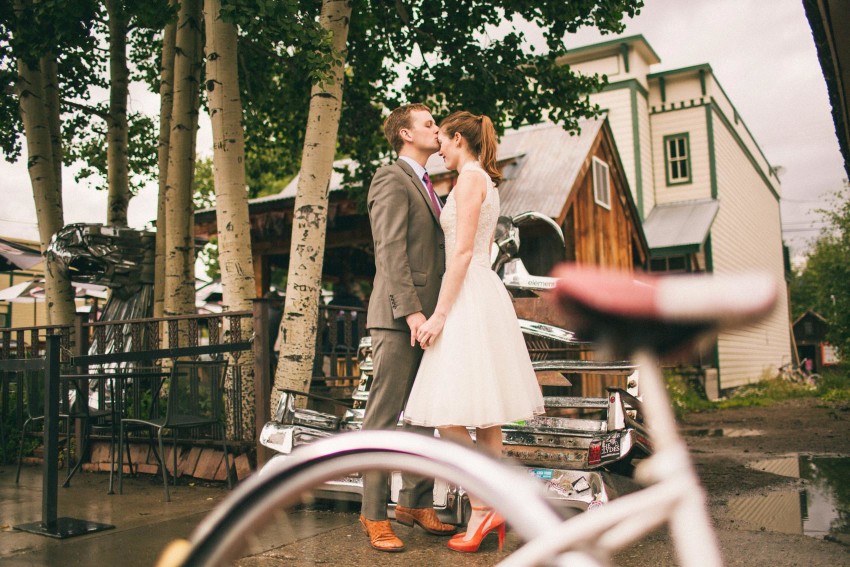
[480,135]
[398,120]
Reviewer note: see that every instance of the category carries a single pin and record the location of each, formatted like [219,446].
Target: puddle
[722,432]
[821,509]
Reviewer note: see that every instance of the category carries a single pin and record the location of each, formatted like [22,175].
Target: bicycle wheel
[222,535]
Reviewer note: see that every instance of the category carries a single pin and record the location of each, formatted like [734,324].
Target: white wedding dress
[477,373]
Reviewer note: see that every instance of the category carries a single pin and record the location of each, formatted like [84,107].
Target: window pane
[658,265]
[600,183]
[671,148]
[674,170]
[676,263]
[681,142]
[683,168]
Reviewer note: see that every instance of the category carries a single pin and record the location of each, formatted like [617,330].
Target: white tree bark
[117,151]
[47,193]
[166,98]
[234,227]
[306,255]
[38,97]
[179,286]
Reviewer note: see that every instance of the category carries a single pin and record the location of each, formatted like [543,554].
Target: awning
[14,255]
[679,228]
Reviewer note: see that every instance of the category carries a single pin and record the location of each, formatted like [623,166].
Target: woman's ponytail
[489,145]
[479,133]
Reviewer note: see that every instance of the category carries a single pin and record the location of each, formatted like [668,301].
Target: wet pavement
[820,509]
[323,533]
[329,533]
[144,523]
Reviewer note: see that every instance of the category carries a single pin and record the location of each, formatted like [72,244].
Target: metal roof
[541,163]
[680,227]
[551,161]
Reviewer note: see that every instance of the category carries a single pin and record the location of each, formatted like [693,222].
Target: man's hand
[414,321]
[431,329]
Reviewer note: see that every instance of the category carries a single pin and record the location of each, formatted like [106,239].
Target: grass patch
[686,396]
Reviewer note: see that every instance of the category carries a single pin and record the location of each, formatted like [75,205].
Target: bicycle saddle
[626,311]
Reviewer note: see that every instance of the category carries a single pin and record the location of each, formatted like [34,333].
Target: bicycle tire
[282,482]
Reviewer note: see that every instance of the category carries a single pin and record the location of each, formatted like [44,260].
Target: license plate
[544,474]
[610,446]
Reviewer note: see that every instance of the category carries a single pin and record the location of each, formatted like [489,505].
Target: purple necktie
[435,202]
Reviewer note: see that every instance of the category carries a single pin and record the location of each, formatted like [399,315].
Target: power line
[19,222]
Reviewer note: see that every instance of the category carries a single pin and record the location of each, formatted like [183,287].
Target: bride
[476,371]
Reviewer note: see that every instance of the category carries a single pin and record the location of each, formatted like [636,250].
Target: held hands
[414,321]
[431,329]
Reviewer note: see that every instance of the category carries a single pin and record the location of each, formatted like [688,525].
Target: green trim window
[670,264]
[601,183]
[677,159]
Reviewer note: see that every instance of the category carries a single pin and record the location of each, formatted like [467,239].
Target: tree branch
[87,109]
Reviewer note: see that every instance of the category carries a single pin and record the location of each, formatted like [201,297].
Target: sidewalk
[322,534]
[144,522]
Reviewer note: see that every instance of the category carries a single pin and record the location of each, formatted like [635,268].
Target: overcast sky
[762,53]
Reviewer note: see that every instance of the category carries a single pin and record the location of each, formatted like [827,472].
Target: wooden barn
[577,180]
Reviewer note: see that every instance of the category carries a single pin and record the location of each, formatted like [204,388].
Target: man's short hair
[398,120]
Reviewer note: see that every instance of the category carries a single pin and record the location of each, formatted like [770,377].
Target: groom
[409,263]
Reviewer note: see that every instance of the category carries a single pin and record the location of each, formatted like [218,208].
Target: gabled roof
[810,314]
[541,163]
[551,161]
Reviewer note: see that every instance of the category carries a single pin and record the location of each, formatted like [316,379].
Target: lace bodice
[487,220]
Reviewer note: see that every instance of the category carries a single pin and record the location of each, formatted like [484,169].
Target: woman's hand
[431,329]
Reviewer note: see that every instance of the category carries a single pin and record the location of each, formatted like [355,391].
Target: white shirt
[417,169]
[420,173]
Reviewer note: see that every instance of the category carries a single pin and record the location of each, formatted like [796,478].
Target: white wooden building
[707,195]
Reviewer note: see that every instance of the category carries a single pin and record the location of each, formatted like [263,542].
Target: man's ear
[405,135]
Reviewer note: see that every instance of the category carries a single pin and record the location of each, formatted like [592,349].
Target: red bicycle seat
[663,313]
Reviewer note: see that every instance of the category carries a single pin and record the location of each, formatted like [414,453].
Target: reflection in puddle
[821,509]
[722,432]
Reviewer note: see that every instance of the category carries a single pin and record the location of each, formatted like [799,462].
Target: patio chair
[195,395]
[30,394]
[105,418]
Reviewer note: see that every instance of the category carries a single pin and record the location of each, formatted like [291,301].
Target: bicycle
[797,375]
[642,315]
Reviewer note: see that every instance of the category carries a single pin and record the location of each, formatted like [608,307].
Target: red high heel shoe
[492,521]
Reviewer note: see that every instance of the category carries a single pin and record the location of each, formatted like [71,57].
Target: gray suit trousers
[395,364]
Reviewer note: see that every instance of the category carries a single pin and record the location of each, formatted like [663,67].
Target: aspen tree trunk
[38,98]
[117,156]
[46,191]
[166,98]
[50,75]
[306,255]
[231,196]
[179,237]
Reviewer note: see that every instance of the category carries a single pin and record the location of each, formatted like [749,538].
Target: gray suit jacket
[409,248]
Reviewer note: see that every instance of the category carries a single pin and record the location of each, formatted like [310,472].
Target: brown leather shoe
[425,517]
[381,535]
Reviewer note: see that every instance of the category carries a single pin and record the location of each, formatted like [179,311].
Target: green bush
[834,384]
[685,396]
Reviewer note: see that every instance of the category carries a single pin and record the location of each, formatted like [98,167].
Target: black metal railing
[109,346]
